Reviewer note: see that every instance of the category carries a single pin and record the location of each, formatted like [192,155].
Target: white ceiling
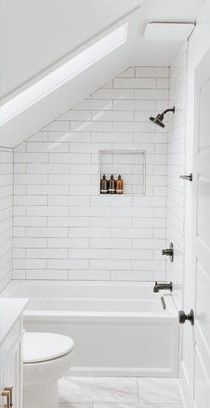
[37,33]
[38,36]
[149,52]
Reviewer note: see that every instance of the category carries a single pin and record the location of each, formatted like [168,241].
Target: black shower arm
[168,110]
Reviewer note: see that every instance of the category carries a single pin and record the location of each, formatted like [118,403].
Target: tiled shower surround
[63,227]
[6,201]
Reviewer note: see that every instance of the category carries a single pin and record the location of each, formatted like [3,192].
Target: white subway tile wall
[176,167]
[6,201]
[63,227]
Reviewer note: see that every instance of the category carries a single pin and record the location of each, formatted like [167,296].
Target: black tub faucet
[162,286]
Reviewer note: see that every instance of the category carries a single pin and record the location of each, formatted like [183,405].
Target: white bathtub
[118,328]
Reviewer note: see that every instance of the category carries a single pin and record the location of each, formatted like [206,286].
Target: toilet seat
[43,347]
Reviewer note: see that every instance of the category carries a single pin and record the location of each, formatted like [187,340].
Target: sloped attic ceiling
[37,34]
[38,37]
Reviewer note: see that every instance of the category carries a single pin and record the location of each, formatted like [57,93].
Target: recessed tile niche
[130,164]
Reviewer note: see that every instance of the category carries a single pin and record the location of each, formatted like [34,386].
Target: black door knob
[183,317]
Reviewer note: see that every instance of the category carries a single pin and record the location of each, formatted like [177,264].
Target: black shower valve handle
[169,251]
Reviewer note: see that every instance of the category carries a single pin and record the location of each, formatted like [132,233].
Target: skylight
[64,73]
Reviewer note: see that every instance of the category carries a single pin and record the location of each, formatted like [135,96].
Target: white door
[201,234]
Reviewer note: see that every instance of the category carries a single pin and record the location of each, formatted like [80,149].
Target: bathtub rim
[24,283]
[169,313]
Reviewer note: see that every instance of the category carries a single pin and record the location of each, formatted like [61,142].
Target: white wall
[176,167]
[6,200]
[62,228]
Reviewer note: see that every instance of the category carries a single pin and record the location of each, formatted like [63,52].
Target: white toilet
[46,358]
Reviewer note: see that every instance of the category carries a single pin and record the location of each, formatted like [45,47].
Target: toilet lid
[40,347]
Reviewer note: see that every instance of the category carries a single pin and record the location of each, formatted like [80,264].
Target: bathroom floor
[112,392]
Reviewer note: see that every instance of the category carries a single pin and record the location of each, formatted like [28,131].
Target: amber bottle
[119,185]
[104,185]
[111,185]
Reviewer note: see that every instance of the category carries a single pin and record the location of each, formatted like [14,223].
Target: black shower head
[158,120]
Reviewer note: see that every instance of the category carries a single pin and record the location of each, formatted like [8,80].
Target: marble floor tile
[159,391]
[116,405]
[179,405]
[98,389]
[75,405]
[140,405]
